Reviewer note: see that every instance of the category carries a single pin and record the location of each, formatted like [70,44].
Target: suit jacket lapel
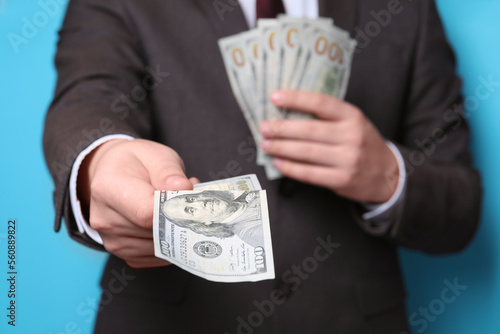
[225,16]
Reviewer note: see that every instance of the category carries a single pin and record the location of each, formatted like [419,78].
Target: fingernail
[265,129]
[277,162]
[175,180]
[277,97]
[265,144]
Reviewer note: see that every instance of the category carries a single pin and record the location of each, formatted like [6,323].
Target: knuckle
[276,128]
[310,128]
[112,246]
[97,190]
[292,98]
[318,100]
[310,152]
[97,221]
[98,224]
[281,150]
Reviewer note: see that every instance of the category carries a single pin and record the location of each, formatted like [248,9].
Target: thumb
[165,167]
[178,182]
[194,180]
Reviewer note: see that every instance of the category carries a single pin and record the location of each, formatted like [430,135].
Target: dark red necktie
[269,8]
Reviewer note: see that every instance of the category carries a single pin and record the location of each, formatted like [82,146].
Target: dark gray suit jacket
[112,53]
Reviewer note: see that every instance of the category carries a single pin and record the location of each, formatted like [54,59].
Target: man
[217,214]
[389,166]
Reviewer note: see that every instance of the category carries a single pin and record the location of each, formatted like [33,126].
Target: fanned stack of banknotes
[285,53]
[219,231]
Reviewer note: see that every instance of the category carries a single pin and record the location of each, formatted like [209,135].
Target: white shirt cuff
[83,225]
[379,209]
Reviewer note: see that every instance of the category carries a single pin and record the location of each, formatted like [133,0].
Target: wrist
[388,178]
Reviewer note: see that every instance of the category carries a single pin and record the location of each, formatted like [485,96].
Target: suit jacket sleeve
[101,90]
[441,206]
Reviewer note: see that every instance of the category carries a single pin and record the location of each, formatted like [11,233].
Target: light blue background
[58,281]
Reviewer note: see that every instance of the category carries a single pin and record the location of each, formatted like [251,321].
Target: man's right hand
[116,185]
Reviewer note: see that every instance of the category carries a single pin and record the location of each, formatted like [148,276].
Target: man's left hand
[340,150]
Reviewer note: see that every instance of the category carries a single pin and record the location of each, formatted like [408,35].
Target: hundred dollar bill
[242,182]
[325,68]
[251,41]
[240,53]
[251,47]
[294,33]
[271,75]
[292,37]
[219,235]
[241,77]
[271,69]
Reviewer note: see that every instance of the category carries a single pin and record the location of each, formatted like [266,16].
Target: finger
[165,167]
[137,252]
[310,130]
[130,196]
[322,106]
[155,166]
[303,151]
[147,262]
[128,247]
[104,219]
[328,177]
[194,180]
